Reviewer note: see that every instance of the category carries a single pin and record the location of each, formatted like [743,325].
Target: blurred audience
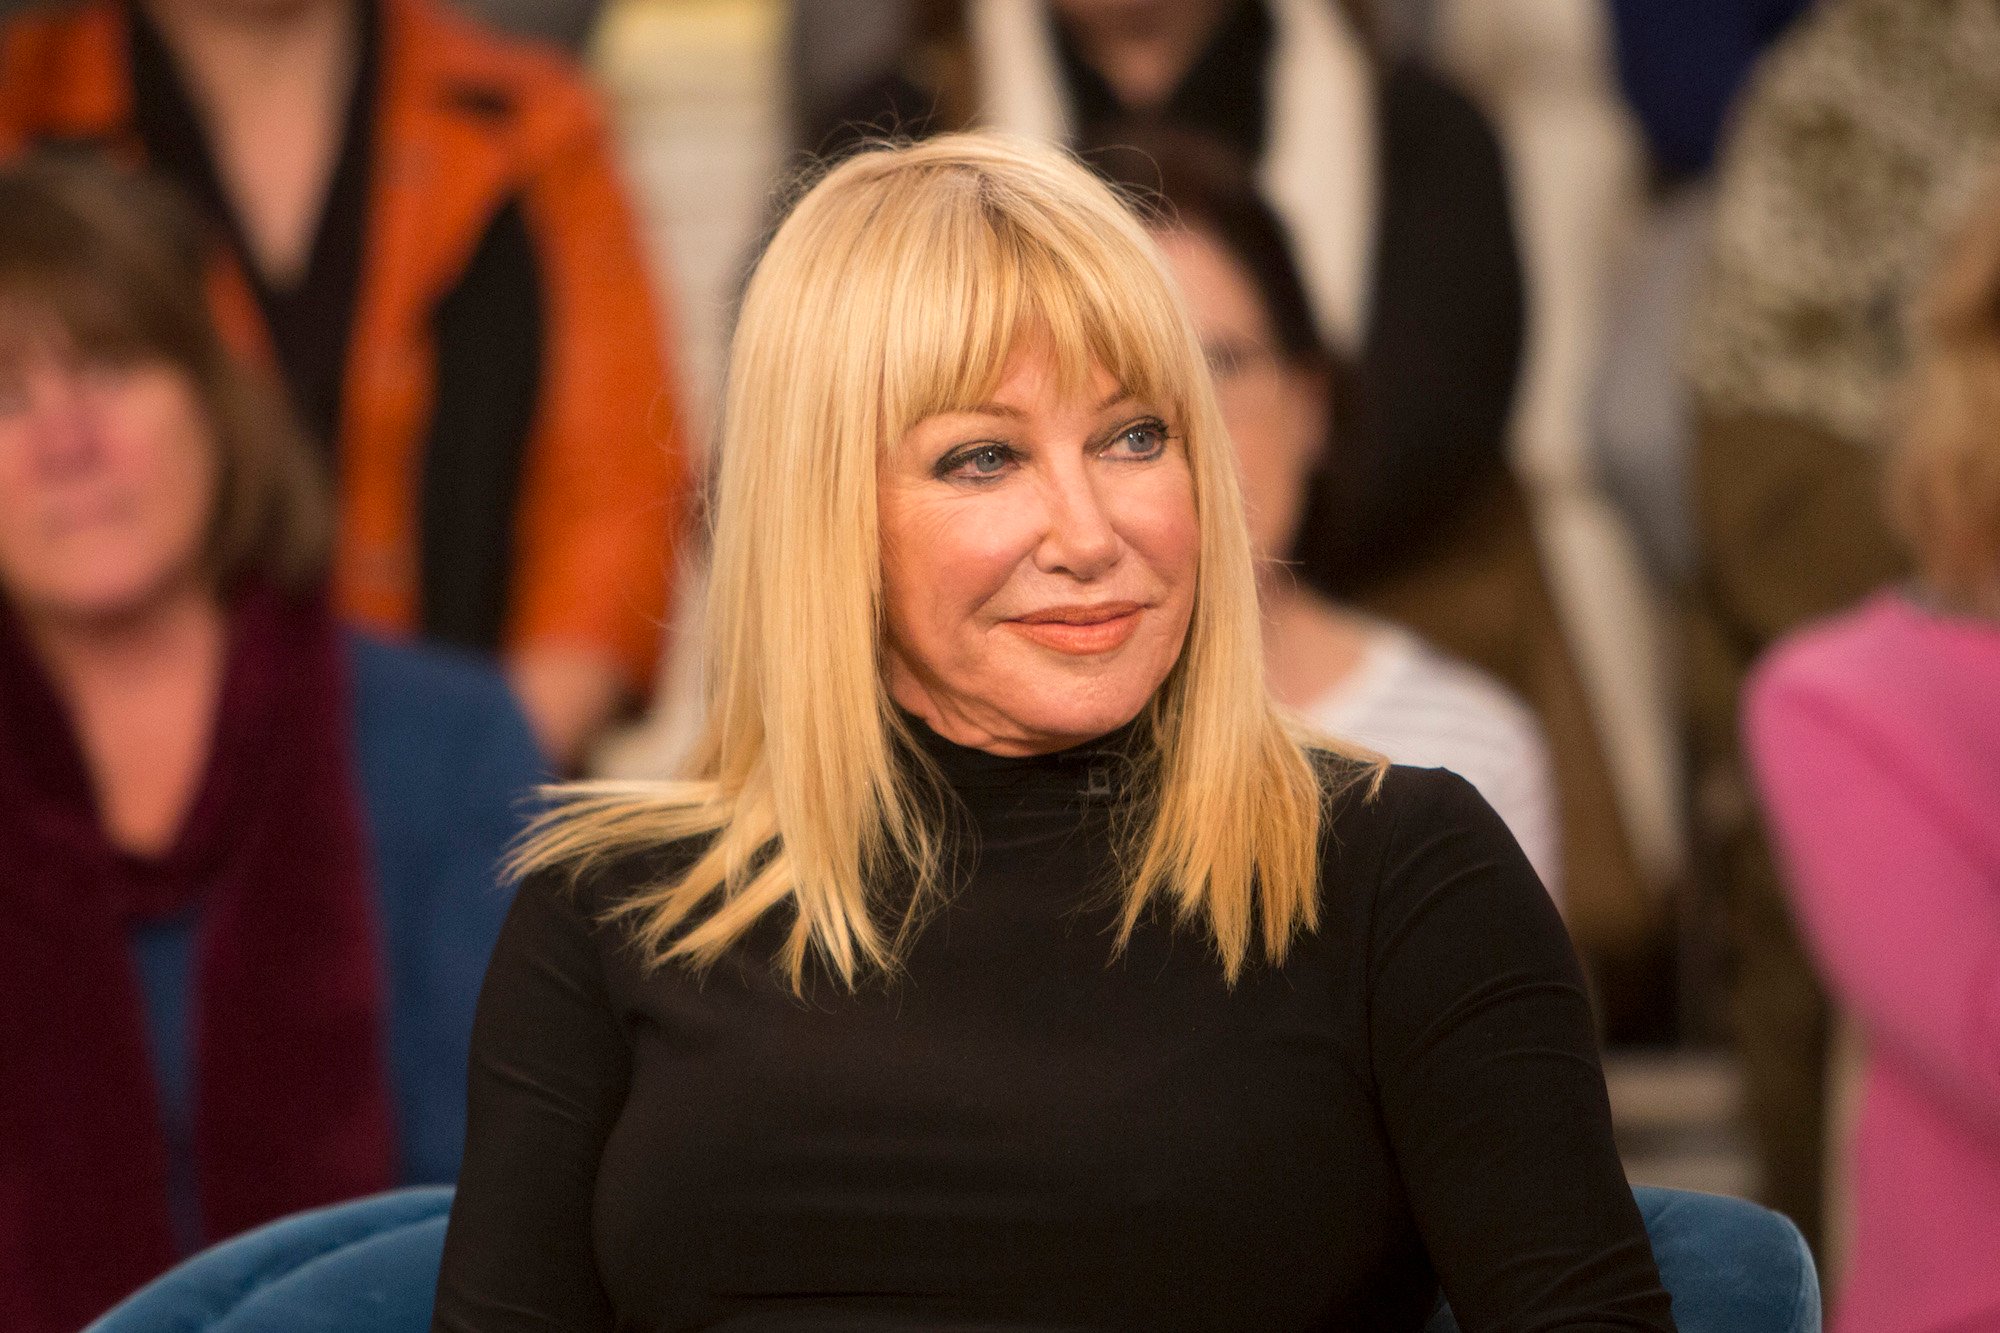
[435,252]
[1395,199]
[569,24]
[1866,132]
[1876,741]
[1544,73]
[1389,182]
[1681,63]
[1681,66]
[1283,396]
[250,857]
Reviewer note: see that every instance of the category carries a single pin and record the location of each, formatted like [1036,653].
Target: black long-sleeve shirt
[1021,1131]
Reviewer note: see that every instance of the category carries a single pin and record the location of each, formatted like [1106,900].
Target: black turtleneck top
[1022,1131]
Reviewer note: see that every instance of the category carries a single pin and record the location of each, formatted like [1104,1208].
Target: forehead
[1032,379]
[1220,294]
[64,315]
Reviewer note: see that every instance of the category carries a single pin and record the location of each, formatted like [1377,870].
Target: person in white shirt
[1345,674]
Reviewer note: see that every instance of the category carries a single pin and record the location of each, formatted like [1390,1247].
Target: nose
[1081,539]
[62,430]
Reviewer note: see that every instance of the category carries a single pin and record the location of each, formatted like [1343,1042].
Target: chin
[99,596]
[1072,717]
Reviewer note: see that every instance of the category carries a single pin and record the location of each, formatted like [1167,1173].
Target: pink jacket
[1876,742]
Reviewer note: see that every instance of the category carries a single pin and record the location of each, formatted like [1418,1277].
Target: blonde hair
[895,290]
[1944,476]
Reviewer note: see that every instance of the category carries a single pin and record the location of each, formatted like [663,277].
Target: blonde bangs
[896,289]
[972,269]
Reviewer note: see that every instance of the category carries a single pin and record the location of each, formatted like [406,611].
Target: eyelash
[948,466]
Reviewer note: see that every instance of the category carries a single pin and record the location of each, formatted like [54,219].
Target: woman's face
[107,471]
[1038,561]
[1276,411]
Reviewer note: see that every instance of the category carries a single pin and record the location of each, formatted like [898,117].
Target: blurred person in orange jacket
[434,250]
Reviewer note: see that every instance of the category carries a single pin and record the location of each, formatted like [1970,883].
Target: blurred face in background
[1277,411]
[1038,561]
[1141,18]
[107,476]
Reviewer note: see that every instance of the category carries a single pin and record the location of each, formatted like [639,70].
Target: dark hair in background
[114,266]
[1181,179]
[1178,178]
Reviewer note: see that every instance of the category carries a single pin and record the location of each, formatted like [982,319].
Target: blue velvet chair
[371,1267]
[1730,1265]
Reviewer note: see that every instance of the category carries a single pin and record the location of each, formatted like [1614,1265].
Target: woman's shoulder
[1886,653]
[1369,803]
[595,882]
[1907,685]
[1395,831]
[1421,707]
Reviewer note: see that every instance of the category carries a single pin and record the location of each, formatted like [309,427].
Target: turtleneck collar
[1014,800]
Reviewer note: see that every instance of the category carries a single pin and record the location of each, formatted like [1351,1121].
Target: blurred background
[1617,300]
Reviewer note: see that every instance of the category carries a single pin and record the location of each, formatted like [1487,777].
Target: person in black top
[1005,960]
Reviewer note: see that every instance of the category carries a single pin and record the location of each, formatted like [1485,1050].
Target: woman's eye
[986,460]
[1142,439]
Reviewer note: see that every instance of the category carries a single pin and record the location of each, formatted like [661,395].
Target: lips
[1081,630]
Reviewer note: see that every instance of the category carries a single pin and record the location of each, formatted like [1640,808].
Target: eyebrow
[1116,396]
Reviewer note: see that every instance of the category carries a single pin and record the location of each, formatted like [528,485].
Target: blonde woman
[1004,961]
[1876,740]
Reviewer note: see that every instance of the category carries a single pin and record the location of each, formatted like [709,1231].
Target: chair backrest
[371,1267]
[1730,1265]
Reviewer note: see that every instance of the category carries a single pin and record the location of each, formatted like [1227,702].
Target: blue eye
[1141,440]
[978,463]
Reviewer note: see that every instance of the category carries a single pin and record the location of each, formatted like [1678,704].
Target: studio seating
[370,1266]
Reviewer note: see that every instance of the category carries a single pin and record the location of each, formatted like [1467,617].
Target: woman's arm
[1486,1065]
[550,1070]
[1903,916]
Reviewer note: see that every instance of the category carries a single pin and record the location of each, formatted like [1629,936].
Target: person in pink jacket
[1876,742]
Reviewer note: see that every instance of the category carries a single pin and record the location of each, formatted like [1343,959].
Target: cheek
[943,559]
[170,452]
[18,497]
[1274,456]
[1160,525]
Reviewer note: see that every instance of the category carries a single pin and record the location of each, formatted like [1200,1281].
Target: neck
[1143,50]
[271,81]
[143,689]
[258,44]
[182,630]
[1310,644]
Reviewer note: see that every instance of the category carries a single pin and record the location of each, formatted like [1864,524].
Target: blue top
[445,760]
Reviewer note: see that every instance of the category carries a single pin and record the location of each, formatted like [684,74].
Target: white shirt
[1416,706]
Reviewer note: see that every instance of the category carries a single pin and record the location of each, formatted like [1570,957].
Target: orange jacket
[602,480]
